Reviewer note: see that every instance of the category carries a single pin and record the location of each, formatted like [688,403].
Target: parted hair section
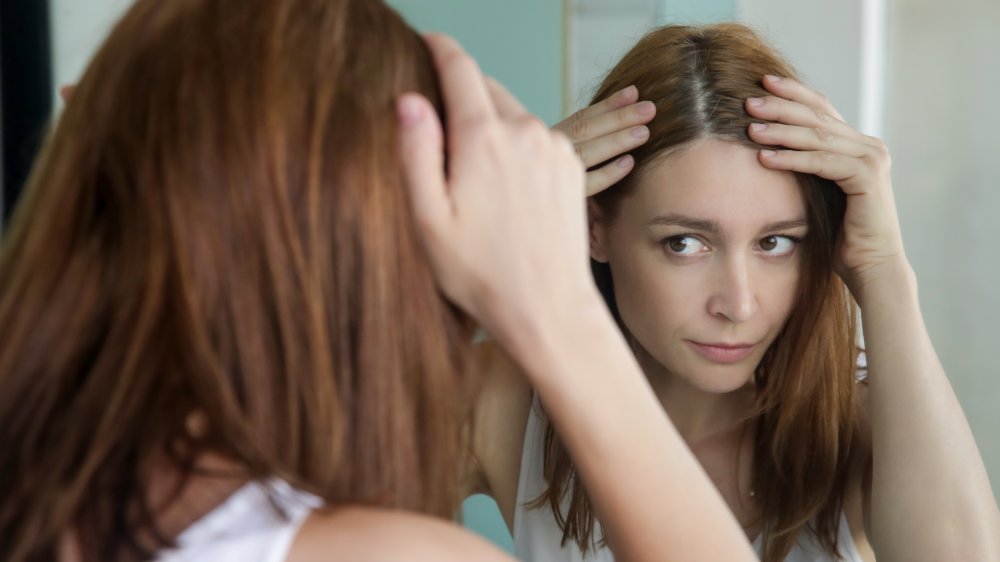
[218,227]
[805,421]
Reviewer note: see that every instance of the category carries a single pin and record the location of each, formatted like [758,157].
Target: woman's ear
[597,222]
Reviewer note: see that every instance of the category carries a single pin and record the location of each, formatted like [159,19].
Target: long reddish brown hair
[218,224]
[805,419]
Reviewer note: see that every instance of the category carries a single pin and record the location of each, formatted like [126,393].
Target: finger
[507,105]
[585,129]
[604,148]
[790,112]
[609,174]
[792,89]
[466,97]
[835,167]
[621,98]
[805,138]
[421,148]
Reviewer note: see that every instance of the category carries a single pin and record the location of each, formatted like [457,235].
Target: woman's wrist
[890,280]
[547,338]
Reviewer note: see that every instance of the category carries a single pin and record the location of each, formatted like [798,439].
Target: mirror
[917,74]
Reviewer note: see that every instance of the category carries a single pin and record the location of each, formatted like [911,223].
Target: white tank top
[537,537]
[256,524]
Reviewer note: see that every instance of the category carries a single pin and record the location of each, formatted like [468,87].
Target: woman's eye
[778,245]
[684,245]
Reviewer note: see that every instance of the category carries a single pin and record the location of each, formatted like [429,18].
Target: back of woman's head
[699,78]
[217,229]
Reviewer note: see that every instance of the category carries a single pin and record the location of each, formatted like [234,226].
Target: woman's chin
[721,380]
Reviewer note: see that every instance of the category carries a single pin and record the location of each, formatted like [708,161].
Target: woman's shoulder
[505,396]
[374,534]
[501,416]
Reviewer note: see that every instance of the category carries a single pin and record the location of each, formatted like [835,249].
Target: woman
[724,257]
[224,334]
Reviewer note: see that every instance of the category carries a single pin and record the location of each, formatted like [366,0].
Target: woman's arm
[599,133]
[506,234]
[930,495]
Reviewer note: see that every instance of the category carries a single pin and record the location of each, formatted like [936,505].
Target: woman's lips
[722,352]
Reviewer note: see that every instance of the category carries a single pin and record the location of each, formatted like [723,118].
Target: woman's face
[705,259]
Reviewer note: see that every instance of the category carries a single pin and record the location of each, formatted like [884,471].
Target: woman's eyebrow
[785,225]
[705,225]
[674,219]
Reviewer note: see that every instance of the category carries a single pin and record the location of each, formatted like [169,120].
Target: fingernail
[640,132]
[755,102]
[758,126]
[772,78]
[630,93]
[767,152]
[409,110]
[624,161]
[646,108]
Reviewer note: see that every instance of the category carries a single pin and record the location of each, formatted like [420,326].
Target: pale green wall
[695,11]
[519,42]
[481,514]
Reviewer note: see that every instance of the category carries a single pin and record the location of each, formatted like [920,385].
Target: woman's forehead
[716,180]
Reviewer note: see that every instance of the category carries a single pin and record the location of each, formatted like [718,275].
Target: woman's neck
[698,415]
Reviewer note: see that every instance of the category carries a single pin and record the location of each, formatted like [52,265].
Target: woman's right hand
[505,228]
[606,129]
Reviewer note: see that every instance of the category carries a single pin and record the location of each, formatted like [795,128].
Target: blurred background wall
[943,128]
[922,74]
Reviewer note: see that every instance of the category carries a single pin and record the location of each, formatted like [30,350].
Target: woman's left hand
[816,140]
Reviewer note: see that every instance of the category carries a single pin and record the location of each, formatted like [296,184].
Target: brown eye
[678,244]
[684,245]
[778,245]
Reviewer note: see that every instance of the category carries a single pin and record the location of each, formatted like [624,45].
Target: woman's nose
[733,296]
